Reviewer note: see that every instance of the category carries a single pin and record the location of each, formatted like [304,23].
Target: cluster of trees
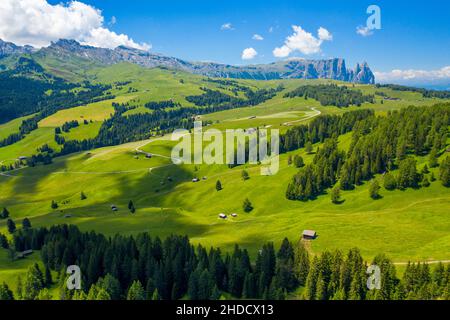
[142,267]
[379,145]
[69,125]
[215,98]
[383,144]
[331,94]
[321,128]
[314,178]
[426,93]
[45,155]
[218,98]
[162,105]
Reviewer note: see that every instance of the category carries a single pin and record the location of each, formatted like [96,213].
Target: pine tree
[11,226]
[54,205]
[336,195]
[355,288]
[34,282]
[193,285]
[156,295]
[26,224]
[48,276]
[102,295]
[308,147]
[301,263]
[247,205]
[4,214]
[425,182]
[111,285]
[205,285]
[4,241]
[374,189]
[136,291]
[5,292]
[432,158]
[131,207]
[321,293]
[218,185]
[311,281]
[444,172]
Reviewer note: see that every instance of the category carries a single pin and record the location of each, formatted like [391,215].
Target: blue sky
[415,35]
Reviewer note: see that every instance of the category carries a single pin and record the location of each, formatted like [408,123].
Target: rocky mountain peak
[9,48]
[295,68]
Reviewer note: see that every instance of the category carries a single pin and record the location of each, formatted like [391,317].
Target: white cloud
[37,23]
[227,26]
[271,29]
[411,74]
[257,37]
[364,31]
[324,34]
[249,54]
[303,41]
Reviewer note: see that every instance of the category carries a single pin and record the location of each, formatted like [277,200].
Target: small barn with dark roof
[309,234]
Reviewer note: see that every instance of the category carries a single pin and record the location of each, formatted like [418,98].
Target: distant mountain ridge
[9,48]
[294,68]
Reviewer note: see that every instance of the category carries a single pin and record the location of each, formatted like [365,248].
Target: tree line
[217,98]
[426,93]
[331,94]
[142,267]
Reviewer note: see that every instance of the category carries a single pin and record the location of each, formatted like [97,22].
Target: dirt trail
[309,116]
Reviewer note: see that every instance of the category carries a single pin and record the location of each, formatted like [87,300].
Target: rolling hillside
[409,224]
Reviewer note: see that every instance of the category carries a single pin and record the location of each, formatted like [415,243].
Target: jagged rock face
[363,74]
[291,69]
[8,48]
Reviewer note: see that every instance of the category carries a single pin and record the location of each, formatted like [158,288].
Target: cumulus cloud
[303,41]
[37,23]
[412,74]
[249,54]
[364,31]
[257,37]
[324,34]
[227,26]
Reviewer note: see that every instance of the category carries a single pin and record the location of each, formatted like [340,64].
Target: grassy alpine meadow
[168,202]
[93,188]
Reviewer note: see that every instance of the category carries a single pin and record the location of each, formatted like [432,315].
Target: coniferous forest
[379,145]
[142,267]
